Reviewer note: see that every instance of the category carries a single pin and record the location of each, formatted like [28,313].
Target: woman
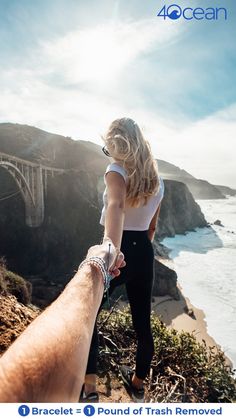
[131,205]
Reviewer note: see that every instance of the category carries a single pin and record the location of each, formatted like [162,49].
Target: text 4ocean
[174,12]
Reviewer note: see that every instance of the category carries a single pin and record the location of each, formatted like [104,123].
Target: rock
[218,223]
[165,281]
[189,312]
[160,249]
[179,212]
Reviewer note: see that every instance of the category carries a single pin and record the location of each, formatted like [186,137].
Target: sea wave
[205,261]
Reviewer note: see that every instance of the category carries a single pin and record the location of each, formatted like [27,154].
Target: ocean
[205,262]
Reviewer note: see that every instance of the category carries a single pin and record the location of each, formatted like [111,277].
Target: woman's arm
[153,224]
[115,211]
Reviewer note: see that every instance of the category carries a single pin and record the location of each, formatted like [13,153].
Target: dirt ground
[14,318]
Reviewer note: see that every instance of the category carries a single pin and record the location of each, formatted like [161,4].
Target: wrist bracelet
[100,264]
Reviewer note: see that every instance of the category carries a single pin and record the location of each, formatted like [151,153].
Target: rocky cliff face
[70,226]
[179,212]
[165,281]
[71,223]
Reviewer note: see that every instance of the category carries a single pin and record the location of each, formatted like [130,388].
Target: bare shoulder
[115,178]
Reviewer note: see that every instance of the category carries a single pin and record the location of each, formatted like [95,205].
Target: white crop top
[136,219]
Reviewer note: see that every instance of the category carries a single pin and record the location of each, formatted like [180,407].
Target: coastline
[182,315]
[204,261]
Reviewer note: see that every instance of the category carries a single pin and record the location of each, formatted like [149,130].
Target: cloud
[61,88]
[101,53]
[54,92]
[206,148]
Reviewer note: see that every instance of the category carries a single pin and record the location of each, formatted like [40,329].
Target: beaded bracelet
[100,264]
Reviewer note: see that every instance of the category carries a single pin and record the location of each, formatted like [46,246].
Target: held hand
[114,260]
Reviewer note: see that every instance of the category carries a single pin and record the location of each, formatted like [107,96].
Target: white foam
[205,262]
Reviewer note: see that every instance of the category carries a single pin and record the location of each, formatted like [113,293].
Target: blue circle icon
[89,410]
[174,14]
[23,410]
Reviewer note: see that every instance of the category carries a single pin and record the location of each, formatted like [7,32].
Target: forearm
[48,361]
[153,224]
[151,233]
[114,224]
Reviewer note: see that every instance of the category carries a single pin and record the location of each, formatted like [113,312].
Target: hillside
[49,254]
[55,150]
[226,190]
[200,189]
[182,369]
[49,149]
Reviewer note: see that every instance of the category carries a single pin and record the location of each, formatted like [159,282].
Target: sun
[99,57]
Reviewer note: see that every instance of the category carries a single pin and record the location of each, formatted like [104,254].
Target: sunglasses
[105,151]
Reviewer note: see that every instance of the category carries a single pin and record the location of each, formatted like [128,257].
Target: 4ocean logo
[174,12]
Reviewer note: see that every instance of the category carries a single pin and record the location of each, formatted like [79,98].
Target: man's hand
[113,258]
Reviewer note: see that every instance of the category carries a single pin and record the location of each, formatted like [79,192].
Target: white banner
[106,410]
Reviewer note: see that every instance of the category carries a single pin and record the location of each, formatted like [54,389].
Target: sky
[72,66]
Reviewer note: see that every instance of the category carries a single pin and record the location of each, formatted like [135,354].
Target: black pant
[138,278]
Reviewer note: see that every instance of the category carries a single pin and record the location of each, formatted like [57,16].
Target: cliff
[165,281]
[200,189]
[54,150]
[226,190]
[50,149]
[54,250]
[179,212]
[49,254]
[183,370]
[70,226]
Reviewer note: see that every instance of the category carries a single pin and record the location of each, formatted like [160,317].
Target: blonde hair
[126,144]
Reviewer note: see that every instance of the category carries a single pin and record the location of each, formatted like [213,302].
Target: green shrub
[10,283]
[182,369]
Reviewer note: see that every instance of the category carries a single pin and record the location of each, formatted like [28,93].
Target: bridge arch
[19,179]
[32,181]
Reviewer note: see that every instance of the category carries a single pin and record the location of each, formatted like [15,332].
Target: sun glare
[100,54]
[98,57]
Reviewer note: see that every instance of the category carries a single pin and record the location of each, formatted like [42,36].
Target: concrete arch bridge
[31,178]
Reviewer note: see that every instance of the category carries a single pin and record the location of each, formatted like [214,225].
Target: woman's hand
[114,259]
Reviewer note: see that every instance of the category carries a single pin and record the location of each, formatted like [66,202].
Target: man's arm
[47,362]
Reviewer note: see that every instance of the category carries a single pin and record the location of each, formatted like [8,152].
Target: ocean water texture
[205,262]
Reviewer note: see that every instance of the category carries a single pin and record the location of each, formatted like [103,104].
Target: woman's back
[136,218]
